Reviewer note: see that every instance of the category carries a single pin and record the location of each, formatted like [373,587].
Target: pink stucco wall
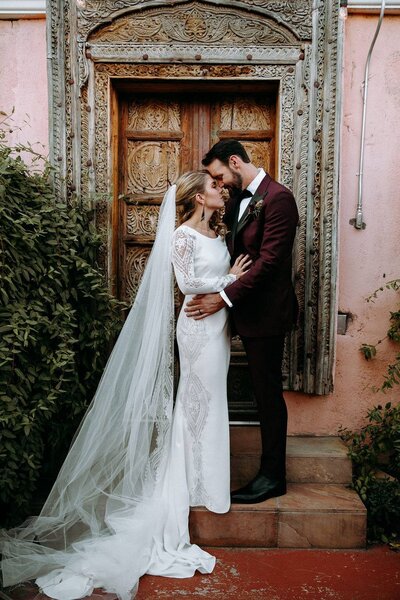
[366,258]
[23,80]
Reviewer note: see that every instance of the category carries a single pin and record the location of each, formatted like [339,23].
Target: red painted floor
[372,574]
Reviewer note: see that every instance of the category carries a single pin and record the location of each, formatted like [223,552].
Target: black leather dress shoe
[259,489]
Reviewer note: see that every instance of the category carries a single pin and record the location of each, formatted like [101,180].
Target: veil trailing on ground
[107,487]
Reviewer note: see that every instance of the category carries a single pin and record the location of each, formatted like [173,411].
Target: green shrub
[383,504]
[375,449]
[375,452]
[57,322]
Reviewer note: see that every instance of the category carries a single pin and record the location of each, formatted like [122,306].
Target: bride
[120,505]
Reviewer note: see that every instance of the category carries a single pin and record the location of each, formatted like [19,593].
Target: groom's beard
[236,186]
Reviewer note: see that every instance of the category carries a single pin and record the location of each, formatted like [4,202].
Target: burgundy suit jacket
[264,302]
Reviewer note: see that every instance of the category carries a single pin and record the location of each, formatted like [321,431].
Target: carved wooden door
[160,137]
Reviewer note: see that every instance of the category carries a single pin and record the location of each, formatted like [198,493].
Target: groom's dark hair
[223,149]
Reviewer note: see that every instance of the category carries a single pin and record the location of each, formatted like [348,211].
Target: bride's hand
[241,265]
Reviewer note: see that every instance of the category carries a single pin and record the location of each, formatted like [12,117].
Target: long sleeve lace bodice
[200,266]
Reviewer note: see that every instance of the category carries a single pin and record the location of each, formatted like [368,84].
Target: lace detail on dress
[183,250]
[196,399]
[196,412]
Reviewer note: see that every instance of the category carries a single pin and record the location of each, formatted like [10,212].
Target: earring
[202,214]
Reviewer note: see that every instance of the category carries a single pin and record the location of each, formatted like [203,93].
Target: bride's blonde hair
[187,186]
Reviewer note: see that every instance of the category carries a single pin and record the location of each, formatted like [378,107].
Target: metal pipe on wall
[357,222]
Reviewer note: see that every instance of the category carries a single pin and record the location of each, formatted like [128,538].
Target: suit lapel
[230,220]
[260,194]
[235,220]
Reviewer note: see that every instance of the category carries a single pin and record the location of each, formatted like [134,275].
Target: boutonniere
[255,209]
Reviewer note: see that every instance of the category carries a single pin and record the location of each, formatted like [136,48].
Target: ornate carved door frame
[297,43]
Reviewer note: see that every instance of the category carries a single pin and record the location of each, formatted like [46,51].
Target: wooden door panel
[151,166]
[152,139]
[135,258]
[154,114]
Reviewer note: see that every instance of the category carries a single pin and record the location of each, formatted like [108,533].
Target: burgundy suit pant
[265,365]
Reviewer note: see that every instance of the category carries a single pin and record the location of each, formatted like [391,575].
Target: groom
[262,218]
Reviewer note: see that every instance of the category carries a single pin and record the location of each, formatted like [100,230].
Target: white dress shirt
[252,187]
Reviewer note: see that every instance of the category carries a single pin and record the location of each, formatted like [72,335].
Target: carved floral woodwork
[195,23]
[296,43]
[152,166]
[136,258]
[142,220]
[153,115]
[246,113]
[296,15]
[191,31]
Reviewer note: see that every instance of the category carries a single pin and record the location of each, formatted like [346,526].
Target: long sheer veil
[119,453]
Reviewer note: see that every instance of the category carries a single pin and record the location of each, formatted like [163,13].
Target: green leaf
[368,350]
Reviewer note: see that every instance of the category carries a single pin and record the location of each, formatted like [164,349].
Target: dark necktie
[244,194]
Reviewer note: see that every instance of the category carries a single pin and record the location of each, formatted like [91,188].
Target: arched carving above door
[95,43]
[194,23]
[185,32]
[296,15]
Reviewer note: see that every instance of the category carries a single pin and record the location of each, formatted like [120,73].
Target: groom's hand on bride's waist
[204,305]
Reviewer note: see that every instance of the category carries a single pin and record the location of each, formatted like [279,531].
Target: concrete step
[310,515]
[309,459]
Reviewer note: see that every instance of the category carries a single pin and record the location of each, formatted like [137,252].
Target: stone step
[309,459]
[310,515]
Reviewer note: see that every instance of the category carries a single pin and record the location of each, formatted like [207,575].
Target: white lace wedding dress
[100,528]
[201,427]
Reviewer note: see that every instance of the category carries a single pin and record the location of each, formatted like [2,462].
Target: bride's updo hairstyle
[187,186]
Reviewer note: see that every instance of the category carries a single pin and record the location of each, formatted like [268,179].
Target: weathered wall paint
[23,80]
[364,256]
